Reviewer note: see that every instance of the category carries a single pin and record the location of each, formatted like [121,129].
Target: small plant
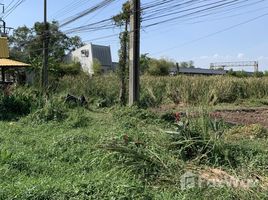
[53,110]
[199,140]
[78,119]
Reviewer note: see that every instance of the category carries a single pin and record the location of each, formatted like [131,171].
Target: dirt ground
[239,116]
[244,116]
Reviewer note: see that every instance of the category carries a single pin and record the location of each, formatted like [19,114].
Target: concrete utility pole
[45,50]
[134,52]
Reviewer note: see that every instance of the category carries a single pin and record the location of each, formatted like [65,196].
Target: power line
[85,12]
[214,33]
[72,6]
[193,12]
[14,7]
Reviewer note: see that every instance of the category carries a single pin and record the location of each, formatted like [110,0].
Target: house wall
[86,55]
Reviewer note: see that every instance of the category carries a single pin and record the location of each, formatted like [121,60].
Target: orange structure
[7,65]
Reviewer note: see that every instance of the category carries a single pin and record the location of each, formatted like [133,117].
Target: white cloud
[263,58]
[204,57]
[216,55]
[240,56]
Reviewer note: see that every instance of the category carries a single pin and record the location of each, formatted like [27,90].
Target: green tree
[258,74]
[184,64]
[160,67]
[144,63]
[189,64]
[26,44]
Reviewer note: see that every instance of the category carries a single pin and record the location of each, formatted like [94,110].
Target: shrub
[96,67]
[200,140]
[103,90]
[71,69]
[19,103]
[78,118]
[53,110]
[159,67]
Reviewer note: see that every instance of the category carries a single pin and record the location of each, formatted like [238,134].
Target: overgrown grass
[49,150]
[120,153]
[191,90]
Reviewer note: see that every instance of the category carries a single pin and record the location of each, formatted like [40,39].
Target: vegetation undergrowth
[179,90]
[61,151]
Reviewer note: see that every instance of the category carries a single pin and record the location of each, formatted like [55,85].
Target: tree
[144,63]
[159,67]
[26,44]
[184,64]
[19,43]
[123,19]
[189,64]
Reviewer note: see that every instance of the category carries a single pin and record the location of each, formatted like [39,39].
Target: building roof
[4,52]
[184,70]
[12,63]
[102,53]
[202,71]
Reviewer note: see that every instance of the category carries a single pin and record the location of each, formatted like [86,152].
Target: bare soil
[238,116]
[244,116]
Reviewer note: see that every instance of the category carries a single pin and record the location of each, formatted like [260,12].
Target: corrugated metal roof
[200,71]
[12,63]
[4,52]
[103,54]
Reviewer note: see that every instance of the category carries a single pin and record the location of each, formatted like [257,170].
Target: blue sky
[178,41]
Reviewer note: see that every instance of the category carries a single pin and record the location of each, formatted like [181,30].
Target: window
[84,53]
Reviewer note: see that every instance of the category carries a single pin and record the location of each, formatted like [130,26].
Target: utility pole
[4,23]
[134,52]
[45,51]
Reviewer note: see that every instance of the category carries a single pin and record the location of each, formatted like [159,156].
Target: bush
[96,67]
[71,69]
[53,110]
[159,67]
[102,90]
[20,103]
[239,74]
[200,139]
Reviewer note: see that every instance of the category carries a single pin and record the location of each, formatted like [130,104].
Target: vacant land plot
[51,149]
[245,116]
[126,153]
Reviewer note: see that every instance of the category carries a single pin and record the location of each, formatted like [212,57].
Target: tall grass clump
[203,90]
[200,139]
[103,90]
[17,102]
[155,91]
[52,110]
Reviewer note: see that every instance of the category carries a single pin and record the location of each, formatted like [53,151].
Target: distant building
[88,53]
[196,71]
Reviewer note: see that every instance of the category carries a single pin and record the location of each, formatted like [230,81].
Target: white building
[86,55]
